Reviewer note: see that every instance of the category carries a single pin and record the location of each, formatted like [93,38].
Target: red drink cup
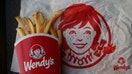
[38,54]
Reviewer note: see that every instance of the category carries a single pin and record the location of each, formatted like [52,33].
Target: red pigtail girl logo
[121,64]
[86,36]
[37,51]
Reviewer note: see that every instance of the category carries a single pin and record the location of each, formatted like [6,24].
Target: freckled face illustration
[80,39]
[86,36]
[80,25]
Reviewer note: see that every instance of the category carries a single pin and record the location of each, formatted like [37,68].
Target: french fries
[52,18]
[20,22]
[20,32]
[40,25]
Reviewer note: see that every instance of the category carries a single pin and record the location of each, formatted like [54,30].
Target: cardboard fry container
[38,54]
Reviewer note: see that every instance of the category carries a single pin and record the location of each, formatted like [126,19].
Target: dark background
[2,40]
[12,9]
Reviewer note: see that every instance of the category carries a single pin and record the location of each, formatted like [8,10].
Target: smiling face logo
[37,51]
[121,64]
[79,39]
[86,36]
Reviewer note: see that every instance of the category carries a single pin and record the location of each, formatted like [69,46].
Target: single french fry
[39,20]
[20,22]
[53,31]
[34,28]
[26,24]
[43,26]
[45,23]
[20,32]
[38,25]
[42,21]
[31,27]
[47,27]
[59,36]
[52,18]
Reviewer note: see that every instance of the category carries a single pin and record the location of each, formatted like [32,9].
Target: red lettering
[80,61]
[116,67]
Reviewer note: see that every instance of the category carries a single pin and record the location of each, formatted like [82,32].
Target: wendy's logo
[37,51]
[121,65]
[86,36]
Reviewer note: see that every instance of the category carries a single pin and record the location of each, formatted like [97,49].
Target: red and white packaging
[91,42]
[38,54]
[97,35]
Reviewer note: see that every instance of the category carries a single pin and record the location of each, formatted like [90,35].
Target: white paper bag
[116,13]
